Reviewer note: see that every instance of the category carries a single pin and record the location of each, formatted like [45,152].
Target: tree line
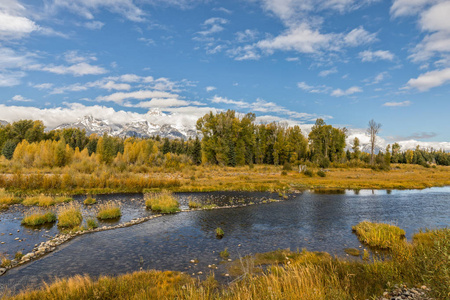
[227,139]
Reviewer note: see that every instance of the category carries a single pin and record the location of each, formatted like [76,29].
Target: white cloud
[376,55]
[292,59]
[210,88]
[43,86]
[148,42]
[359,36]
[79,69]
[87,8]
[20,98]
[397,104]
[213,25]
[11,78]
[247,35]
[119,97]
[162,103]
[325,73]
[13,27]
[301,38]
[430,79]
[313,89]
[347,92]
[432,18]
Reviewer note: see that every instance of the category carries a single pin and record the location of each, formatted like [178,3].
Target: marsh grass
[7,199]
[194,204]
[90,201]
[45,201]
[37,217]
[69,216]
[287,275]
[109,210]
[91,223]
[379,235]
[352,251]
[224,253]
[163,202]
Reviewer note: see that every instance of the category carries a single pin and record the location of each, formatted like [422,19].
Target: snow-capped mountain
[3,123]
[137,128]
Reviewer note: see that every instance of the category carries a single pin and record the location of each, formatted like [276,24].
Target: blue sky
[345,61]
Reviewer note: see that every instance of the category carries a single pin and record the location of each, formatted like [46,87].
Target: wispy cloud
[397,104]
[350,91]
[376,55]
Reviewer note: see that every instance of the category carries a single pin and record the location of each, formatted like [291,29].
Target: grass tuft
[380,235]
[7,199]
[89,201]
[108,211]
[69,216]
[219,232]
[36,218]
[163,202]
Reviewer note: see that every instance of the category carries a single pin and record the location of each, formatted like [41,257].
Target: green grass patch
[108,211]
[89,201]
[224,254]
[163,202]
[219,232]
[194,205]
[91,223]
[380,235]
[69,216]
[36,218]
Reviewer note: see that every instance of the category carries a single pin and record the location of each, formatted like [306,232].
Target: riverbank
[299,275]
[215,178]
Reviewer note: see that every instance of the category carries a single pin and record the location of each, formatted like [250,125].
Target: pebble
[401,292]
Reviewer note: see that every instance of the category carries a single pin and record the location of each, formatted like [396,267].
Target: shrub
[108,210]
[379,235]
[36,218]
[321,173]
[89,201]
[219,232]
[163,202]
[287,166]
[308,173]
[69,216]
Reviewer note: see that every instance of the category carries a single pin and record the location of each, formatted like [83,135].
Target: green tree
[355,148]
[8,149]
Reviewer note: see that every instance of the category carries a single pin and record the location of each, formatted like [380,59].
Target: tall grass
[8,198]
[379,235]
[163,202]
[36,217]
[108,210]
[45,201]
[293,275]
[69,216]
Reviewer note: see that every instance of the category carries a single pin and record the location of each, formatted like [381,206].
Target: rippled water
[318,222]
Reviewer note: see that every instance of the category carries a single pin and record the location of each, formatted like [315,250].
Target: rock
[2,271]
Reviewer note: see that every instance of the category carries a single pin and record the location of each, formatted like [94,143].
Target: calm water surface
[318,222]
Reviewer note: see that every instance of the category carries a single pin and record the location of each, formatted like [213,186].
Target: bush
[108,210]
[89,201]
[287,166]
[69,216]
[35,218]
[321,173]
[163,202]
[308,173]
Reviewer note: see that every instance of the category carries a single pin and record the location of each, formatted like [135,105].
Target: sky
[293,61]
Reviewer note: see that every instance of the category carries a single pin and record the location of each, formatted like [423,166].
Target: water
[318,222]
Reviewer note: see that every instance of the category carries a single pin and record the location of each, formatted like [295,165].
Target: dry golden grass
[36,217]
[163,202]
[69,216]
[108,210]
[292,275]
[379,235]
